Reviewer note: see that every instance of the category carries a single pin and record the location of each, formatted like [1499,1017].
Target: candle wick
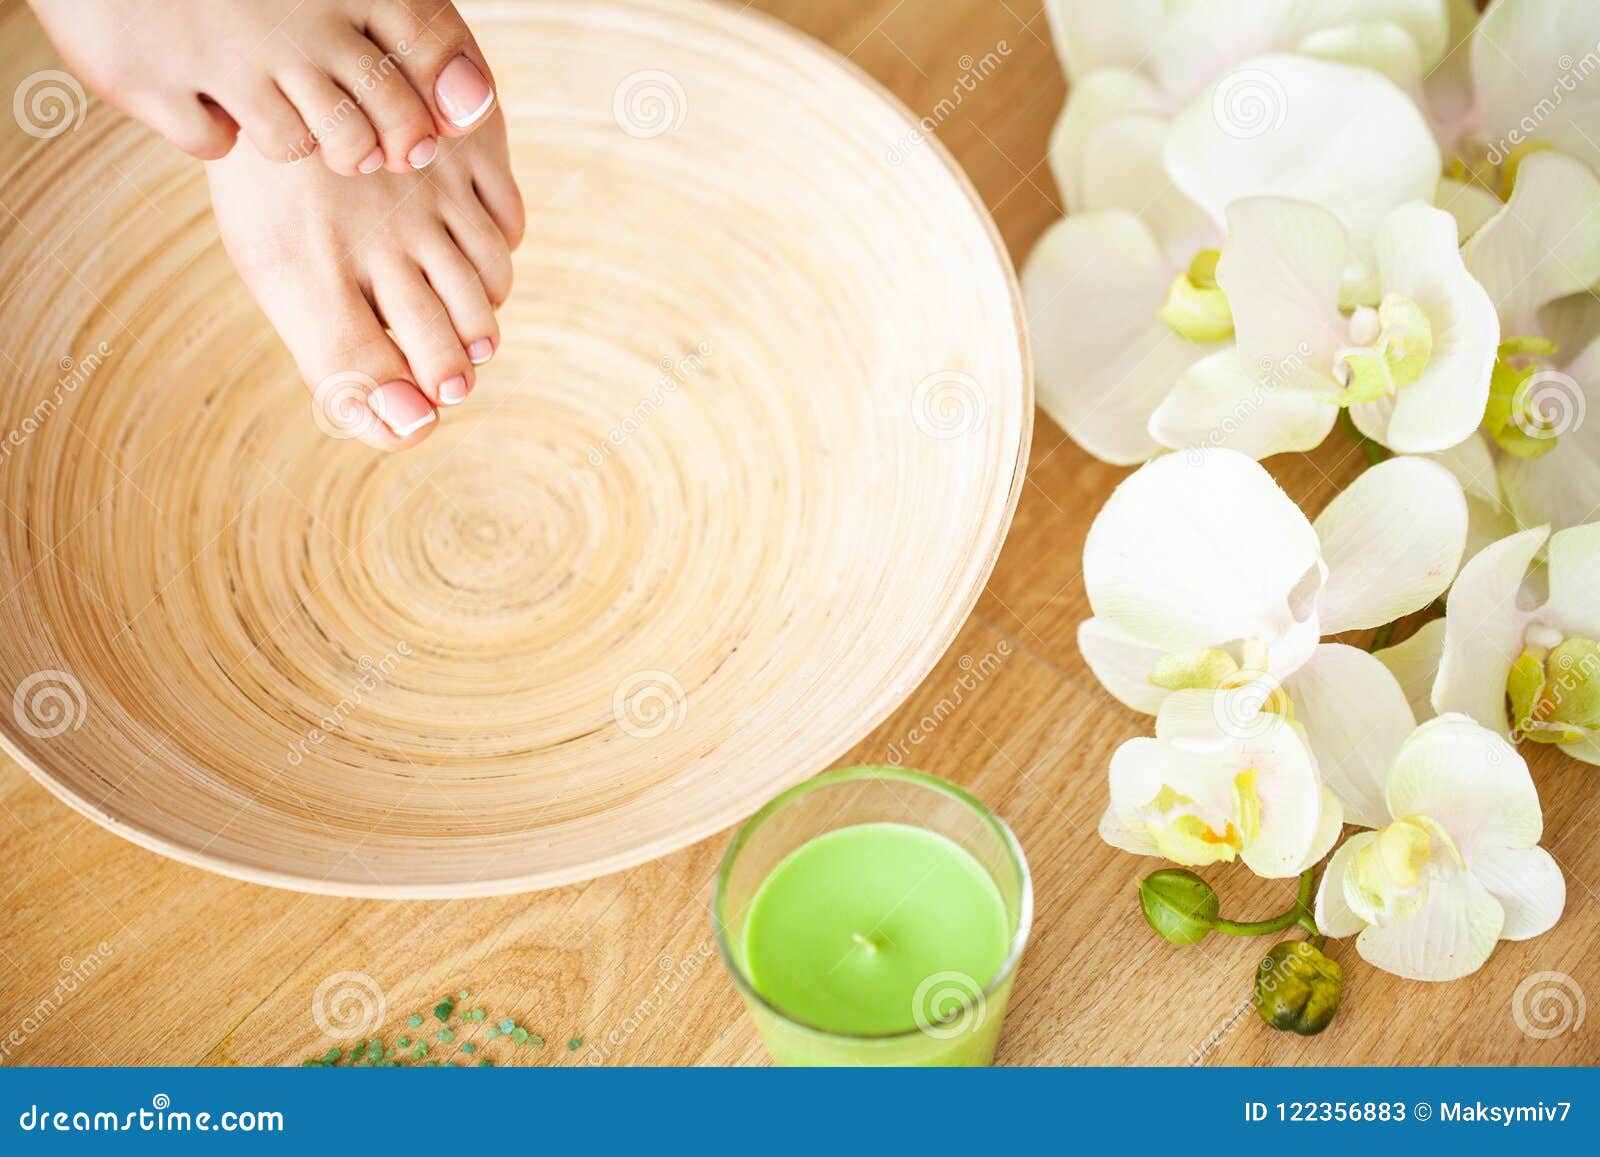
[866,942]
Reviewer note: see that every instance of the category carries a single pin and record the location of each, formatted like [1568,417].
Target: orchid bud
[1297,988]
[1179,905]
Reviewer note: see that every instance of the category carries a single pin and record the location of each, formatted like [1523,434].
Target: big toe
[361,385]
[439,57]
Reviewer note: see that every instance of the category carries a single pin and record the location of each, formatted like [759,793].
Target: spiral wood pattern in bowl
[736,477]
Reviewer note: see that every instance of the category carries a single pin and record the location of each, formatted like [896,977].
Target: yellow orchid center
[1554,688]
[1490,169]
[1213,669]
[1195,306]
[1187,834]
[1514,416]
[1388,349]
[1388,878]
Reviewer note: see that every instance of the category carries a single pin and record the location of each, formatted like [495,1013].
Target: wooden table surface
[111,954]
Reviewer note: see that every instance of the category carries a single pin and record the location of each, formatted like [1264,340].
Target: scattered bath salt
[413,1050]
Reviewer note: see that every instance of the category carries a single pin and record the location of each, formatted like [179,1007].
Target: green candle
[874,916]
[877,929]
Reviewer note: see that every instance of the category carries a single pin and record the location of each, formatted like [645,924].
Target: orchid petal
[1281,268]
[1356,718]
[1123,168]
[1339,136]
[1142,768]
[1294,814]
[1102,359]
[1529,885]
[1586,749]
[1447,88]
[1334,915]
[1489,517]
[1470,204]
[1100,100]
[1449,936]
[1220,401]
[1418,259]
[1392,541]
[1517,51]
[1093,36]
[1122,664]
[1483,630]
[1543,245]
[1574,603]
[1471,782]
[1415,665]
[1380,45]
[1561,488]
[1200,549]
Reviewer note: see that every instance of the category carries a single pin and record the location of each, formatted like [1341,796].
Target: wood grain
[205,969]
[655,575]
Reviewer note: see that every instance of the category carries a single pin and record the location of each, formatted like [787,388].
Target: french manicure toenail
[422,152]
[373,163]
[452,390]
[463,95]
[480,351]
[400,406]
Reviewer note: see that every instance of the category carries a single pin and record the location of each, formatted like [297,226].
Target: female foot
[384,289]
[363,84]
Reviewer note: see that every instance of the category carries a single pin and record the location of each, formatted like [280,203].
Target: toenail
[453,390]
[373,163]
[463,95]
[480,351]
[422,152]
[401,407]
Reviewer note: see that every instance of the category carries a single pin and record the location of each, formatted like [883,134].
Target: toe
[479,239]
[497,189]
[195,124]
[455,279]
[272,123]
[403,124]
[344,137]
[423,330]
[361,386]
[440,59]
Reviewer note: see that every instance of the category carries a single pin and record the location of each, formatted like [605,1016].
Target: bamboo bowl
[734,481]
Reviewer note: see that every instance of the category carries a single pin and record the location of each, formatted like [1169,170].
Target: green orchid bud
[1555,691]
[1195,306]
[1179,905]
[1297,988]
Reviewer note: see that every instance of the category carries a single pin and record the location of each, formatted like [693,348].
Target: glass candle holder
[847,889]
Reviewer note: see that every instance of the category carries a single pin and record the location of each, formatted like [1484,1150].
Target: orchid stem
[1299,913]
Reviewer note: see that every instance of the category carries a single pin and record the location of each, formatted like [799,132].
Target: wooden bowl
[736,478]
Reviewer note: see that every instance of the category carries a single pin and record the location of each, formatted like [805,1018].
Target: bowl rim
[936,641]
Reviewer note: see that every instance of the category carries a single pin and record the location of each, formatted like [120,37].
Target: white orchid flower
[1122,297]
[1525,667]
[1181,46]
[1201,793]
[1538,259]
[1455,865]
[1531,65]
[1202,574]
[1414,371]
